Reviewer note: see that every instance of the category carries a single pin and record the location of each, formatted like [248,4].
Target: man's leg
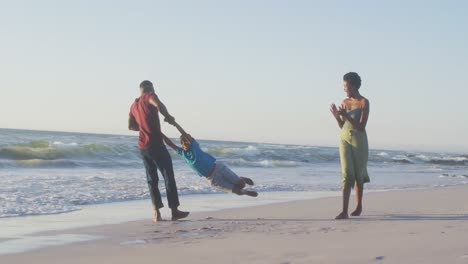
[164,163]
[152,180]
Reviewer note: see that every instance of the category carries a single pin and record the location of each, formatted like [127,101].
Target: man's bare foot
[342,216]
[247,180]
[357,212]
[176,215]
[157,216]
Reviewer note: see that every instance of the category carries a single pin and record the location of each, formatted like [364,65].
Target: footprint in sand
[133,242]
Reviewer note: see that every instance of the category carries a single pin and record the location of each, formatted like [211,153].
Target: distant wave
[262,163]
[43,154]
[38,163]
[447,175]
[66,164]
[402,160]
[46,151]
[60,154]
[454,161]
[447,160]
[247,151]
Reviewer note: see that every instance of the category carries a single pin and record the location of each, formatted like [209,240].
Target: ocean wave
[59,143]
[402,160]
[16,212]
[455,161]
[46,151]
[38,163]
[447,175]
[65,164]
[247,151]
[410,158]
[261,163]
[48,203]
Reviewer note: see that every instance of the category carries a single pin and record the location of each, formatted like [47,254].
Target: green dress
[354,152]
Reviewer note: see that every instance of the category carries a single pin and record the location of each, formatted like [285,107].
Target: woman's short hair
[353,79]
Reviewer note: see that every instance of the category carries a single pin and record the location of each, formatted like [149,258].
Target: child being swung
[205,165]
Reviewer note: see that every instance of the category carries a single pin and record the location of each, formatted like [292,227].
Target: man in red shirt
[144,118]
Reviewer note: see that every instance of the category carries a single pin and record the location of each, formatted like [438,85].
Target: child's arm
[182,131]
[169,142]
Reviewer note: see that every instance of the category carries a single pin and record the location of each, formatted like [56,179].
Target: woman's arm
[337,116]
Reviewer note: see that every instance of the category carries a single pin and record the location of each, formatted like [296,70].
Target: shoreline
[26,228]
[301,231]
[110,213]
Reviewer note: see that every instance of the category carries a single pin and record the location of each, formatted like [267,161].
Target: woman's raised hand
[334,111]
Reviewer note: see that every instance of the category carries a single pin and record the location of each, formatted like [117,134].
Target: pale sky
[262,71]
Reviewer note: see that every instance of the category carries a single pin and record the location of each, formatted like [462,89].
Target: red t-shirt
[147,118]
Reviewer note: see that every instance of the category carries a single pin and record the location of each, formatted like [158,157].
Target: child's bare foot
[176,214]
[357,212]
[342,216]
[247,180]
[250,193]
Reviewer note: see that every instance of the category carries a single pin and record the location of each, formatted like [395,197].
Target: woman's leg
[346,194]
[347,169]
[360,155]
[359,193]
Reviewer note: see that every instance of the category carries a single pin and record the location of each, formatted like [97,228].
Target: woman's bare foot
[357,212]
[176,214]
[247,180]
[157,216]
[342,216]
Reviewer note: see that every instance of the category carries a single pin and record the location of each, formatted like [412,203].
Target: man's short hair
[147,86]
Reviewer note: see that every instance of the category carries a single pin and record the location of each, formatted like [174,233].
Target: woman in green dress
[352,118]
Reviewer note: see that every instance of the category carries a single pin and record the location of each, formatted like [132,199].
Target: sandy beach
[417,226]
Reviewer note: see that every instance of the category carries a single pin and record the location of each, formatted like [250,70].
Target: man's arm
[169,142]
[132,124]
[154,101]
[181,130]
